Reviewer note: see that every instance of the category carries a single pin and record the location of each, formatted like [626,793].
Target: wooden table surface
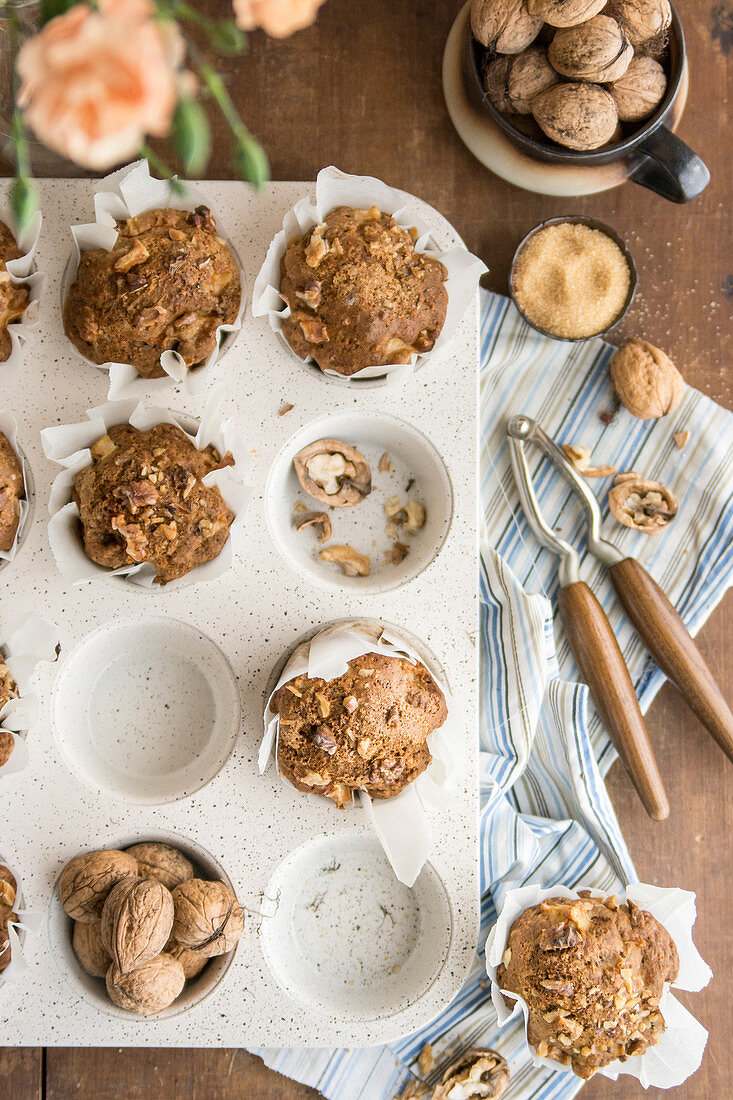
[362,90]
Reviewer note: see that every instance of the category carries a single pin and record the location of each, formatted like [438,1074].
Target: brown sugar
[571,281]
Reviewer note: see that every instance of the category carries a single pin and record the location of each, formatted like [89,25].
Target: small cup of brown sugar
[572,278]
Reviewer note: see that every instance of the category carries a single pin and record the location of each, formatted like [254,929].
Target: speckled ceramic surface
[83,790]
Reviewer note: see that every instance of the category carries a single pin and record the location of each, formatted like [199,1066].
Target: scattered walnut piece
[285,409]
[414,1090]
[351,561]
[681,439]
[642,505]
[599,471]
[299,506]
[316,519]
[415,516]
[578,456]
[398,553]
[475,1066]
[385,464]
[425,1060]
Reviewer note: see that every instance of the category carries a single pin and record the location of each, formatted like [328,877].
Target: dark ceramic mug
[655,157]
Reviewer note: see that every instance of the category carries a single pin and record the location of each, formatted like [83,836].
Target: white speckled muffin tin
[335,950]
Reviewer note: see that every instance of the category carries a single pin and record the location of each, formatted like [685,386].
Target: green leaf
[51,8]
[226,38]
[191,135]
[24,200]
[250,161]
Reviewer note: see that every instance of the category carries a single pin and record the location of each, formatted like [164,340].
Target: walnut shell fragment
[91,954]
[161,862]
[565,13]
[315,519]
[503,25]
[87,880]
[597,50]
[333,473]
[136,922]
[208,918]
[579,116]
[642,505]
[646,380]
[351,561]
[478,1073]
[150,988]
[640,90]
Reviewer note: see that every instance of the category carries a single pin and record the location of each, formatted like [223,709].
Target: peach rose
[94,83]
[277,17]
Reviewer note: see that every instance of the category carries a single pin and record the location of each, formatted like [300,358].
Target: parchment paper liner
[22,273]
[69,446]
[336,188]
[680,1048]
[125,194]
[401,824]
[28,922]
[9,428]
[31,641]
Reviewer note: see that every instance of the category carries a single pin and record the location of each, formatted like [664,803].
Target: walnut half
[477,1073]
[642,505]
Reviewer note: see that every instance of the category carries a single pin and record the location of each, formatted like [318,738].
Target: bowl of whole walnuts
[586,83]
[146,929]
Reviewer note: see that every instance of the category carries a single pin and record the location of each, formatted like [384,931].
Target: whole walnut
[640,90]
[579,116]
[161,862]
[512,83]
[90,952]
[193,962]
[642,20]
[150,988]
[504,26]
[136,922]
[597,51]
[208,918]
[86,881]
[646,380]
[565,13]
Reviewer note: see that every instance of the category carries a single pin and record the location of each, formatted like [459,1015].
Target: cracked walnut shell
[148,989]
[87,880]
[161,862]
[645,506]
[477,1073]
[646,380]
[136,922]
[208,918]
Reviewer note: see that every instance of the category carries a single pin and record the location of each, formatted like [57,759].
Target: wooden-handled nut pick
[652,615]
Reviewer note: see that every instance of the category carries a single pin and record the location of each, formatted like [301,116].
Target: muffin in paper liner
[125,194]
[9,428]
[23,272]
[401,823]
[679,1052]
[30,641]
[336,188]
[28,923]
[69,445]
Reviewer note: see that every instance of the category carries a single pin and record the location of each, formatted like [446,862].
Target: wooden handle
[602,667]
[667,639]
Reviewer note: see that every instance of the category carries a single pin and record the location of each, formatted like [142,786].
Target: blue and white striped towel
[546,817]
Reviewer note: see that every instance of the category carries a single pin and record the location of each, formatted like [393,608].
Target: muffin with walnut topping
[360,294]
[12,488]
[592,973]
[364,730]
[168,284]
[143,499]
[8,691]
[13,299]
